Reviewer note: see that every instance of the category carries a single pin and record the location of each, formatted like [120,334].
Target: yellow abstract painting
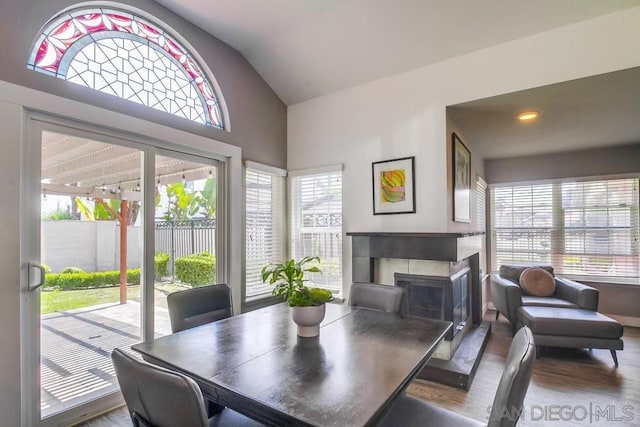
[392,186]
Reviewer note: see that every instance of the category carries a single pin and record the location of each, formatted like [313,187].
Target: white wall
[89,245]
[404,115]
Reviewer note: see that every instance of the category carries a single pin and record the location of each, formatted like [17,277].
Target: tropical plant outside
[185,203]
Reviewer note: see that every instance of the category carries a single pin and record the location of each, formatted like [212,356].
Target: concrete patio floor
[76,347]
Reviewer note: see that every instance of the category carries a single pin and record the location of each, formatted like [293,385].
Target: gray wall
[616,160]
[258,116]
[621,300]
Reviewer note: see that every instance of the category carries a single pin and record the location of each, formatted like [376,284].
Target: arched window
[125,55]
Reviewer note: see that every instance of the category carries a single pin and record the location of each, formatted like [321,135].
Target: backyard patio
[76,347]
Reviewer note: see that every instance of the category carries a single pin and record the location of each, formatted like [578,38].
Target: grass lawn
[52,301]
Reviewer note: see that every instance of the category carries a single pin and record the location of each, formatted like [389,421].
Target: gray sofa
[508,296]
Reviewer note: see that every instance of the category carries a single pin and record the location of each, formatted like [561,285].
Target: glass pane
[185,230]
[91,244]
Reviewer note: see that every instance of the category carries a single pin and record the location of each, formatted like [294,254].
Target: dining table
[256,364]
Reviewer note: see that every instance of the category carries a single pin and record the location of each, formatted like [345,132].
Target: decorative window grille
[316,224]
[584,229]
[127,56]
[265,225]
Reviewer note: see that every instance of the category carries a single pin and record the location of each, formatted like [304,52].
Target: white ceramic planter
[308,319]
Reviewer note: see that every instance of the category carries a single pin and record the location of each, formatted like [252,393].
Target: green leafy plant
[81,280]
[197,269]
[290,283]
[183,202]
[161,263]
[58,214]
[72,270]
[208,198]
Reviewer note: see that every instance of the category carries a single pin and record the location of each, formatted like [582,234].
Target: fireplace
[458,251]
[438,297]
[440,273]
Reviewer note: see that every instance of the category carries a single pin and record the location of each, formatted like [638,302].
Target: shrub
[72,270]
[161,263]
[46,268]
[196,269]
[99,279]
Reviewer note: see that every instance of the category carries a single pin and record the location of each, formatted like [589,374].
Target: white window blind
[481,206]
[316,225]
[585,229]
[481,221]
[265,226]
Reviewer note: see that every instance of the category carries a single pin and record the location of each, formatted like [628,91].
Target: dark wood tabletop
[256,364]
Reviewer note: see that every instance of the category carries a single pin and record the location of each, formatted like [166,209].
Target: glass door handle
[36,274]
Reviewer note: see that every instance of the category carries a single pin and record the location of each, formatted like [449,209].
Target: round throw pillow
[537,282]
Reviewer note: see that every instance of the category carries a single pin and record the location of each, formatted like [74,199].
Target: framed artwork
[461,180]
[394,186]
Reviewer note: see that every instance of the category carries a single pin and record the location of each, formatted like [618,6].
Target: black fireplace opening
[438,297]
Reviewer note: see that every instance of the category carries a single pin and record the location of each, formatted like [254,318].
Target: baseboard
[625,320]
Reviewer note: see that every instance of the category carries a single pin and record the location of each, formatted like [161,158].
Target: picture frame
[461,168]
[394,186]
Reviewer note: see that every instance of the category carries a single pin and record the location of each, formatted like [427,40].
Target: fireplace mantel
[428,246]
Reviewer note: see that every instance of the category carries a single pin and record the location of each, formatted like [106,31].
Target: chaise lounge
[560,312]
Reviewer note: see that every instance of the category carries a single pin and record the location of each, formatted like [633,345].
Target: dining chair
[197,306]
[158,397]
[377,297]
[507,404]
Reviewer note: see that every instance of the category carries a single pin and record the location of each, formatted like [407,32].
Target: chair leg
[497,314]
[615,357]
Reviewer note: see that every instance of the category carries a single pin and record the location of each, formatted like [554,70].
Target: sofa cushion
[531,301]
[513,272]
[570,322]
[537,282]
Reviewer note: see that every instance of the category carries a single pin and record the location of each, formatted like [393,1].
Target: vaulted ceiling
[308,48]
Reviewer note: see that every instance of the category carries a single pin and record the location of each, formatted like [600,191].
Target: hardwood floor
[568,387]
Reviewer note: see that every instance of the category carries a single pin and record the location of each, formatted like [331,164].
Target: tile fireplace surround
[429,258]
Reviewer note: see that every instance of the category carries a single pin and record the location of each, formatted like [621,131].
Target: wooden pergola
[79,167]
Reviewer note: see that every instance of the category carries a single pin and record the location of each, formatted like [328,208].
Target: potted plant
[307,303]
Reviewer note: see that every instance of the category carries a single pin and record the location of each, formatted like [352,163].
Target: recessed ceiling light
[528,116]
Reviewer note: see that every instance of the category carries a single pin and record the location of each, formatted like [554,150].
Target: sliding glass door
[111,227]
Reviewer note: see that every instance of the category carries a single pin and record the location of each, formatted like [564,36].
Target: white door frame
[51,109]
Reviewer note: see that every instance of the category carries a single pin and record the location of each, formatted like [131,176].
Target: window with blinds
[585,229]
[316,225]
[481,206]
[481,221]
[265,226]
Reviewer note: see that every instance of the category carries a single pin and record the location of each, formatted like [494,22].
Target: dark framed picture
[394,186]
[461,180]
